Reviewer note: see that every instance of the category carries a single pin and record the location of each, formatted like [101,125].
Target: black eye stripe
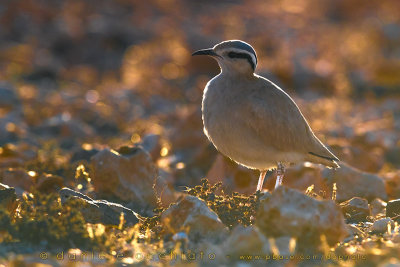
[242,55]
[238,55]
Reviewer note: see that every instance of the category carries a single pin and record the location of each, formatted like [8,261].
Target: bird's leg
[261,180]
[280,171]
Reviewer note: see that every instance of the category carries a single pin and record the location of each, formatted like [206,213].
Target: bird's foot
[280,171]
[261,180]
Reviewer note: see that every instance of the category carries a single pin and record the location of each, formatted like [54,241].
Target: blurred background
[77,76]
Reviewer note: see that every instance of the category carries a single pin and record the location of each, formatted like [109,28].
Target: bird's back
[277,110]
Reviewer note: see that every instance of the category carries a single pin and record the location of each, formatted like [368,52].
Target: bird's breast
[215,111]
[221,112]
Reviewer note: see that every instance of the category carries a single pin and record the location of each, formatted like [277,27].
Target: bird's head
[233,56]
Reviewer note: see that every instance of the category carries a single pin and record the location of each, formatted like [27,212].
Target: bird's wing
[277,121]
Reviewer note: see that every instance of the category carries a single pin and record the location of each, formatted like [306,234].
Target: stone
[18,178]
[63,126]
[164,193]
[12,127]
[49,183]
[392,155]
[128,174]
[396,238]
[381,225]
[351,182]
[99,211]
[192,214]
[235,178]
[393,208]
[303,175]
[283,246]
[8,97]
[288,212]
[152,144]
[191,146]
[355,209]
[265,195]
[246,241]
[354,232]
[81,154]
[8,198]
[378,206]
[392,180]
[12,156]
[208,254]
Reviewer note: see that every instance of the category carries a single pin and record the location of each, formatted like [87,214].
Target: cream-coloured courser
[251,120]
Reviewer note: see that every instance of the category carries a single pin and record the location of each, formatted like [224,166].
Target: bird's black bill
[205,52]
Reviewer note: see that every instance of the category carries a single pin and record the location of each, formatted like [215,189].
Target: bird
[251,120]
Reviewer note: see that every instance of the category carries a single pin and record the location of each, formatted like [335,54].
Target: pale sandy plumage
[251,120]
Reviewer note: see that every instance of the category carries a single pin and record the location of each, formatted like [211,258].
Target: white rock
[288,212]
[128,174]
[246,241]
[351,182]
[381,226]
[193,216]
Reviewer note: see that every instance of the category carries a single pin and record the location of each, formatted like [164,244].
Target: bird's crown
[238,49]
[236,45]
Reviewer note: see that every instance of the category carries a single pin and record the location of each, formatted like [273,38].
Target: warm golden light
[135,138]
[164,152]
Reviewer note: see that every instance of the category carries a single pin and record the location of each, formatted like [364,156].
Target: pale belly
[250,153]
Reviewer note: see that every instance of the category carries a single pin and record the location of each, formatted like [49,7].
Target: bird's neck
[240,75]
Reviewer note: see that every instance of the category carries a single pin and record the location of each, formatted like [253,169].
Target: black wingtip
[324,157]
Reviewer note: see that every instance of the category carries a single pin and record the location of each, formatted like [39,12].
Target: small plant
[41,221]
[232,209]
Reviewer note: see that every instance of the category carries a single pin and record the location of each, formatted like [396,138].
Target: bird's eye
[232,54]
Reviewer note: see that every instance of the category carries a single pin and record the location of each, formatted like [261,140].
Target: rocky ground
[103,158]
